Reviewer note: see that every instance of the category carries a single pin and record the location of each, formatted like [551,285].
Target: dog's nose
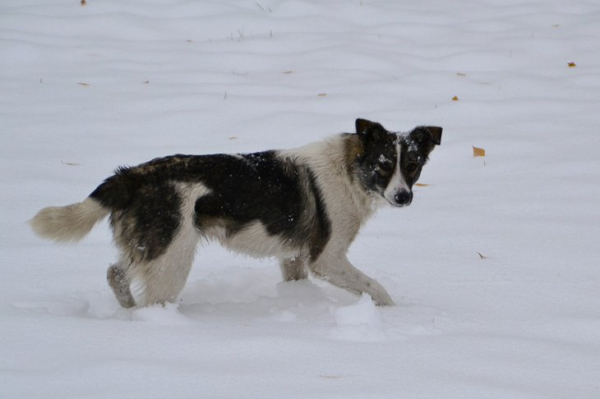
[403,197]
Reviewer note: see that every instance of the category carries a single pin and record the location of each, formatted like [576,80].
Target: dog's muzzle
[402,198]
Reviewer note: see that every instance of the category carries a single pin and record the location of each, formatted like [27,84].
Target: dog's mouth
[395,205]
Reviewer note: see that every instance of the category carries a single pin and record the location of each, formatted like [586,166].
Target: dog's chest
[348,208]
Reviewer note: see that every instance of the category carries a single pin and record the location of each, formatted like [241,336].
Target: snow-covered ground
[86,88]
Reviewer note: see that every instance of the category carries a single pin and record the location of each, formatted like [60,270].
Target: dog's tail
[68,223]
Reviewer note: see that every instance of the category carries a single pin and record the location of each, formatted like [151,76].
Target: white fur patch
[164,277]
[253,240]
[348,204]
[397,183]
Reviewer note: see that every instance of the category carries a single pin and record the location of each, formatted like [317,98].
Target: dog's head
[389,164]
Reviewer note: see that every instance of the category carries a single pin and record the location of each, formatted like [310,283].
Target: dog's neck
[333,160]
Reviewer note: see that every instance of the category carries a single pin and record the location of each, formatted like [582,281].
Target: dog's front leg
[337,269]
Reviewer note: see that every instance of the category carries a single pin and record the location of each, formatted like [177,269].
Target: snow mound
[159,314]
[358,322]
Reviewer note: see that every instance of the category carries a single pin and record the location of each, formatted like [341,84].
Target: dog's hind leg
[157,236]
[163,279]
[120,284]
[293,268]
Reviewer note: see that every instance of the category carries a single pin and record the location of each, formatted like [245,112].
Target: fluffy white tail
[68,223]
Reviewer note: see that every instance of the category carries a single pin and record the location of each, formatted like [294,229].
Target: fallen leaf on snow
[69,163]
[482,256]
[233,138]
[572,65]
[322,94]
[455,98]
[83,2]
[462,75]
[83,83]
[288,72]
[478,152]
[422,185]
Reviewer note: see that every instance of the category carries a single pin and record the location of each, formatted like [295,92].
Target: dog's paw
[383,299]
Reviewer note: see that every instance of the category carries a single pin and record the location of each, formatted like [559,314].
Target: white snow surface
[84,89]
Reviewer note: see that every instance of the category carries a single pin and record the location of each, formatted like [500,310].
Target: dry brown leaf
[572,65]
[83,83]
[422,185]
[482,256]
[322,94]
[478,152]
[455,98]
[83,2]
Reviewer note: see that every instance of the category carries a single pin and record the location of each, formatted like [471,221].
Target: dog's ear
[425,135]
[362,125]
[436,133]
[367,129]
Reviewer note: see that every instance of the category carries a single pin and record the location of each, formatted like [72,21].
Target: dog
[302,206]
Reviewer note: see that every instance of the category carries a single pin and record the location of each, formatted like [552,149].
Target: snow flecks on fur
[523,323]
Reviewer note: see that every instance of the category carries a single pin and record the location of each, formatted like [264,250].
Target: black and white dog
[303,206]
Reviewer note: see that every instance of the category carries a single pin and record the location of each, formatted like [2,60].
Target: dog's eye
[385,168]
[411,167]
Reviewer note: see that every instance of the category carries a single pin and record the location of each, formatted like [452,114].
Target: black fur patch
[375,165]
[146,210]
[320,230]
[263,187]
[416,147]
